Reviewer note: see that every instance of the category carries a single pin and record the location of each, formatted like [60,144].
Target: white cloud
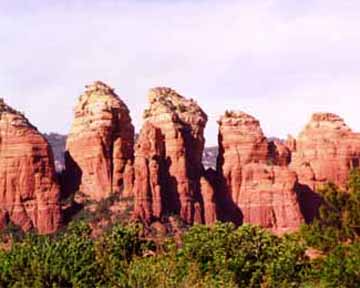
[277,61]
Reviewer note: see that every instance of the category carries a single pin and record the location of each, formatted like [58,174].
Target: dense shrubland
[325,253]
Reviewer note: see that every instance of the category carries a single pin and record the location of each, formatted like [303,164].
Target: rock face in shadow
[100,143]
[279,153]
[29,192]
[209,200]
[180,124]
[264,192]
[325,151]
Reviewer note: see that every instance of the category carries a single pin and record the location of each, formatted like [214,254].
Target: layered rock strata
[29,192]
[255,176]
[148,166]
[100,143]
[181,123]
[268,199]
[325,151]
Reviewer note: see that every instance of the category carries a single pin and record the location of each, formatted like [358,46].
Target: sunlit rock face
[254,175]
[325,151]
[180,124]
[100,143]
[29,192]
[267,198]
[148,167]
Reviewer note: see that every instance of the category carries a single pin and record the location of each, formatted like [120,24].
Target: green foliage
[220,255]
[339,216]
[290,266]
[39,261]
[13,232]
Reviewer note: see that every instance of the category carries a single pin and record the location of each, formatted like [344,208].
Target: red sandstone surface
[175,124]
[100,143]
[29,192]
[255,176]
[325,151]
[269,183]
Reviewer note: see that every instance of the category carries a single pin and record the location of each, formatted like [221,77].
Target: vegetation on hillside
[323,254]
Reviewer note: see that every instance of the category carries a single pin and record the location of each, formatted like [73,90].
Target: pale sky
[279,60]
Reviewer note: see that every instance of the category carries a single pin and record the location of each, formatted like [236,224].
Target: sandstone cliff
[325,151]
[254,174]
[180,124]
[100,143]
[29,193]
[148,166]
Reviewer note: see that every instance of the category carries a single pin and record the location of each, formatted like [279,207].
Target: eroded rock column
[100,143]
[181,123]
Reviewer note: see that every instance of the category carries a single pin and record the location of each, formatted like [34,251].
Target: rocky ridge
[256,180]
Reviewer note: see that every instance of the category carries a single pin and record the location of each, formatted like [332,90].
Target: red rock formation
[279,153]
[208,194]
[129,179]
[100,143]
[264,192]
[181,123]
[325,151]
[241,141]
[267,197]
[290,143]
[29,193]
[148,166]
[328,148]
[4,219]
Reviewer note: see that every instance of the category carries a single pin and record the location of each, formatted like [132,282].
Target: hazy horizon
[277,61]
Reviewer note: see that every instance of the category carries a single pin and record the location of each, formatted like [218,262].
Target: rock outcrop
[241,141]
[100,143]
[181,124]
[209,201]
[267,197]
[148,166]
[328,148]
[325,151]
[29,192]
[255,176]
[279,153]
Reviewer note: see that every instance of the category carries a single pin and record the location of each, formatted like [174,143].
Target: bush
[340,269]
[339,216]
